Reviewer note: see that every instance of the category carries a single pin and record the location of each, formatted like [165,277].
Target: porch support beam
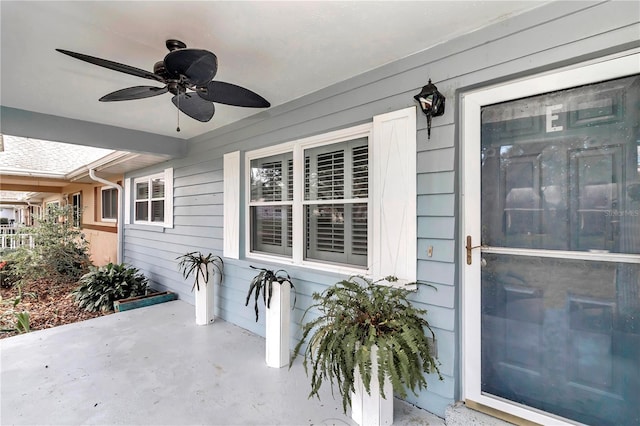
[29,124]
[30,188]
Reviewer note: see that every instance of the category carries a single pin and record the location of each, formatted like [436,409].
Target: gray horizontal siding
[545,38]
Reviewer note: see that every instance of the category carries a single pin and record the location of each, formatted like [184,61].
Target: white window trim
[107,219]
[298,147]
[130,199]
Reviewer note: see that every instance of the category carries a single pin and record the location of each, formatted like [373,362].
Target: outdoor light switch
[430,251]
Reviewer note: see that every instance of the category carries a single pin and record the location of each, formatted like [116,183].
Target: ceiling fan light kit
[188,75]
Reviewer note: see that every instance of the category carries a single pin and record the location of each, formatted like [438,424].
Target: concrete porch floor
[154,366]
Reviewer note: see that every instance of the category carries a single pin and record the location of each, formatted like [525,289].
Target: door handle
[470,247]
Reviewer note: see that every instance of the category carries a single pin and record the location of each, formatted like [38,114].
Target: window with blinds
[332,204]
[271,204]
[336,181]
[342,201]
[149,199]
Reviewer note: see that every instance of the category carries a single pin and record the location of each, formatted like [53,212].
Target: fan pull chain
[178,128]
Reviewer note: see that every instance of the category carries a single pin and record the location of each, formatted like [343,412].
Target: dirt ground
[48,304]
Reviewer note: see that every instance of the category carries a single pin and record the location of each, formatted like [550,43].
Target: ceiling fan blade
[127,69]
[230,94]
[199,66]
[194,106]
[131,93]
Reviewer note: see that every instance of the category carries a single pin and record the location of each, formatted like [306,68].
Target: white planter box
[277,326]
[372,409]
[204,302]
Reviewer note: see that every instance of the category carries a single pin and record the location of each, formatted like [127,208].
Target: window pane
[336,233]
[77,210]
[157,188]
[157,211]
[290,179]
[570,326]
[337,171]
[562,168]
[109,203]
[360,184]
[324,174]
[114,203]
[142,190]
[142,210]
[272,178]
[359,216]
[327,231]
[271,229]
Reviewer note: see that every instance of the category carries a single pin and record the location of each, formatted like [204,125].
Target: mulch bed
[49,305]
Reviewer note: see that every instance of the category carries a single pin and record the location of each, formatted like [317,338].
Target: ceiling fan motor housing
[175,45]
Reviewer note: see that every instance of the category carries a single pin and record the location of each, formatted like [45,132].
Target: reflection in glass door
[560,230]
[551,282]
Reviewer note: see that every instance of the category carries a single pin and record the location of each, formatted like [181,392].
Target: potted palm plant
[202,267]
[370,341]
[276,295]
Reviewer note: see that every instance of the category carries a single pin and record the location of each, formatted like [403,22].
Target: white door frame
[624,64]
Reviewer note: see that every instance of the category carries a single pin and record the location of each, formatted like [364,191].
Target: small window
[109,204]
[152,198]
[76,210]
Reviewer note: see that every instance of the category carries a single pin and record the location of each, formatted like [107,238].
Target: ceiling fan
[188,75]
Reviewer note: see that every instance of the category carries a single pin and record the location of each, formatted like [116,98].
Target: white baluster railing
[11,238]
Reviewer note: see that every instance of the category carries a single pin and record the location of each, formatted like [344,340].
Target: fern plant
[354,315]
[198,264]
[104,285]
[263,282]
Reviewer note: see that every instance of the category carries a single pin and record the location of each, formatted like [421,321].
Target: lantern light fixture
[431,102]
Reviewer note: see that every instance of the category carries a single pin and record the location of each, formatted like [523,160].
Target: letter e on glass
[551,117]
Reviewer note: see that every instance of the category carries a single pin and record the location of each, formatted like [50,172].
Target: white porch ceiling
[281,50]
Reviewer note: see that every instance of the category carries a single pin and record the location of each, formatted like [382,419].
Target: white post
[204,302]
[277,326]
[372,409]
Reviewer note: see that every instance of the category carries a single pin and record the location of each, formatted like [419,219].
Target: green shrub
[61,252]
[104,285]
[7,275]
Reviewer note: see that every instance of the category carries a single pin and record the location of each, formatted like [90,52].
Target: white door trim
[471,103]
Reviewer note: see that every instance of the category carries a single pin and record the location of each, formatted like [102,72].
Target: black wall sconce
[431,102]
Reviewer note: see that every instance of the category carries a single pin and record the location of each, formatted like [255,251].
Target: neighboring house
[94,210]
[36,181]
[544,171]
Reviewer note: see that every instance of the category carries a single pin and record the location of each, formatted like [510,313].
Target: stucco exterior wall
[101,235]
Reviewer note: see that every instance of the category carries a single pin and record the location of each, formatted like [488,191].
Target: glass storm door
[555,285]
